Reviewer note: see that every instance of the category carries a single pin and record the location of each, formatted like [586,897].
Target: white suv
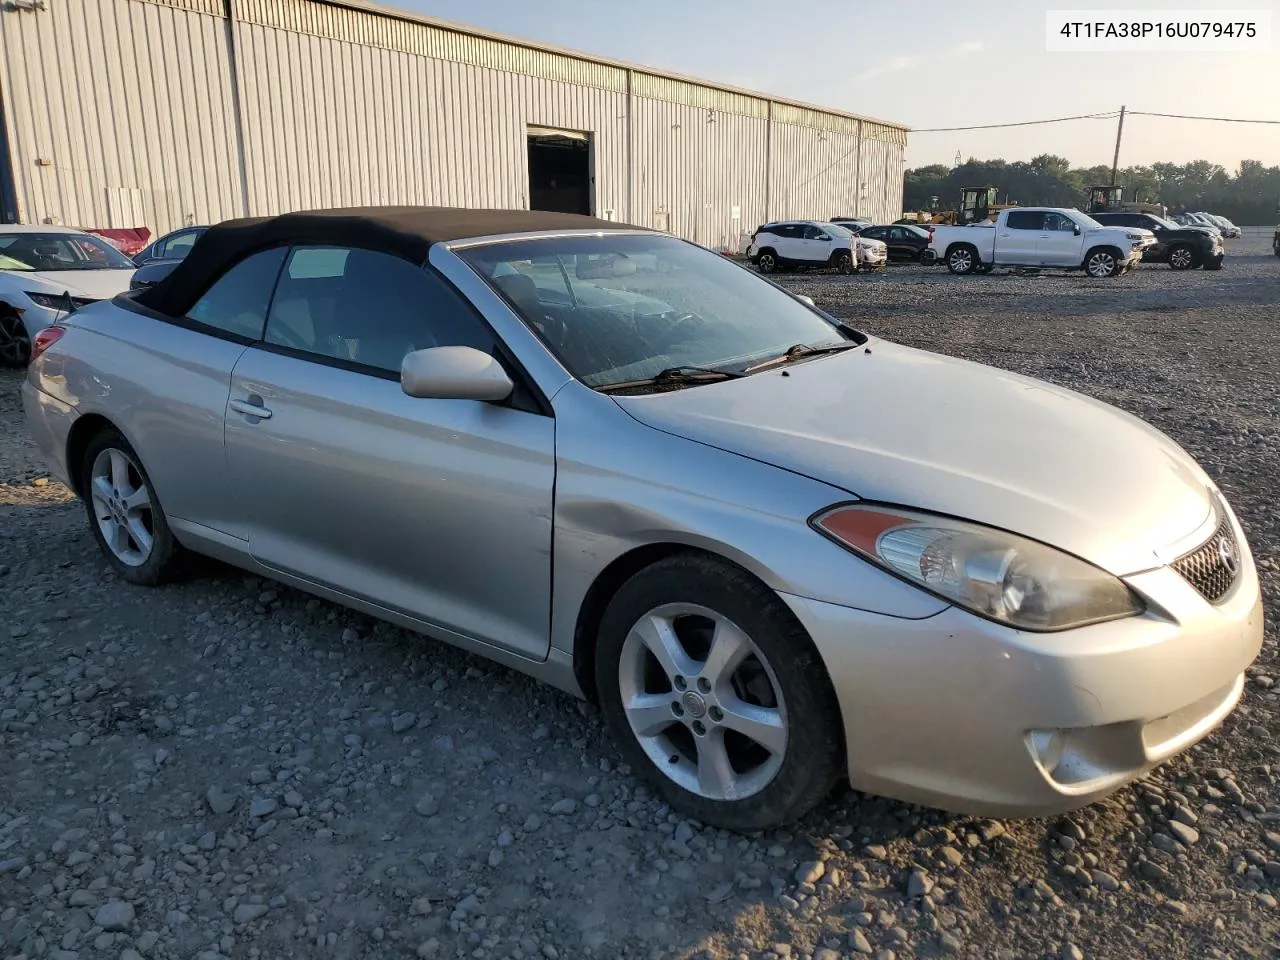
[812,243]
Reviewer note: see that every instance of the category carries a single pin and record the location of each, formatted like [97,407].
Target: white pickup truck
[1040,237]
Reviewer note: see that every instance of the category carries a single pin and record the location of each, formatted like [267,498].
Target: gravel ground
[229,768]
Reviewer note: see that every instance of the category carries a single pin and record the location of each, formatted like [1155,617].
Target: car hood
[89,284]
[904,426]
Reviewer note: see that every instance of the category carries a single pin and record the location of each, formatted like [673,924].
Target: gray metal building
[161,113]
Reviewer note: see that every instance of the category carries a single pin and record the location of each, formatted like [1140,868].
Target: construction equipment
[976,205]
[1110,199]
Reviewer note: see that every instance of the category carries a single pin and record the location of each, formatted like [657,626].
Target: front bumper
[969,716]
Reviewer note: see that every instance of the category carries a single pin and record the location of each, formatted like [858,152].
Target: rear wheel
[962,259]
[15,342]
[713,689]
[767,261]
[1182,257]
[125,514]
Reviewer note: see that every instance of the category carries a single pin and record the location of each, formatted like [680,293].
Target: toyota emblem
[1228,554]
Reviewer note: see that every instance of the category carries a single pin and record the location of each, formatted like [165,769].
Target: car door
[1060,245]
[903,244]
[440,510]
[815,243]
[1017,237]
[787,243]
[186,365]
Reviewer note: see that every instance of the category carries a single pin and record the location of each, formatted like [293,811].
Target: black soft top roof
[405,232]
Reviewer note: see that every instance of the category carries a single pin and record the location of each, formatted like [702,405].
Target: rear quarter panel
[164,387]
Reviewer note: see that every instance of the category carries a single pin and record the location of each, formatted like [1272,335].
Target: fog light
[1047,747]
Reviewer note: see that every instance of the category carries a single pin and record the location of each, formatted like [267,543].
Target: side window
[786,231]
[1025,220]
[237,301]
[368,308]
[811,232]
[180,245]
[1057,222]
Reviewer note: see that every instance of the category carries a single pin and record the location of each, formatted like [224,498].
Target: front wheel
[713,689]
[15,342]
[1102,263]
[125,514]
[1182,257]
[843,262]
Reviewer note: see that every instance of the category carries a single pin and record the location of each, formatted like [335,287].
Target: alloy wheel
[961,261]
[1181,258]
[1101,264]
[703,702]
[767,263]
[122,507]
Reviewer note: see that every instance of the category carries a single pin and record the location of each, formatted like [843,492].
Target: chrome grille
[1213,566]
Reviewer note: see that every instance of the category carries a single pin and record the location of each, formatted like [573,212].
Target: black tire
[812,760]
[767,261]
[15,341]
[985,268]
[165,558]
[1102,263]
[842,262]
[1182,256]
[962,259]
[1214,264]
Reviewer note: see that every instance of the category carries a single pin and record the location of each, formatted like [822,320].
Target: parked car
[1198,220]
[151,273]
[172,246]
[788,244]
[904,242]
[871,254]
[852,223]
[627,466]
[1183,248]
[47,271]
[1275,241]
[1041,237]
[1228,229]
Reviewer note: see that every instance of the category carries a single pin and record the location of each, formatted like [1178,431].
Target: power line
[1111,115]
[1181,116]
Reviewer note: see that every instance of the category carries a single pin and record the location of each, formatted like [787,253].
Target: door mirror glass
[1076,229]
[454,373]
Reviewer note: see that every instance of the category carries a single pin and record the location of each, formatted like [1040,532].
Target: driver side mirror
[454,373]
[1076,229]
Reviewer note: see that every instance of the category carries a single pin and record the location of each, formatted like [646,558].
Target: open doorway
[560,171]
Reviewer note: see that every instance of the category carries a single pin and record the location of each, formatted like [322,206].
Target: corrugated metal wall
[118,111]
[163,112]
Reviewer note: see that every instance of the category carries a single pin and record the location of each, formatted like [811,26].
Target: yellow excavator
[1110,199]
[976,205]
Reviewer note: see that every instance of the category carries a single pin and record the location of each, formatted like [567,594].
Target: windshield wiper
[675,375]
[796,351]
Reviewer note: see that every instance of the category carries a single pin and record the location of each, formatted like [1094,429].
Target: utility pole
[1115,161]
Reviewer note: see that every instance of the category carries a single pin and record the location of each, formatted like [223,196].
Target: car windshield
[624,307]
[52,252]
[841,231]
[1168,225]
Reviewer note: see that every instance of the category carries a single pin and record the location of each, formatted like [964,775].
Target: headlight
[997,575]
[57,301]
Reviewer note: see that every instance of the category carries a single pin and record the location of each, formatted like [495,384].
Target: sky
[930,63]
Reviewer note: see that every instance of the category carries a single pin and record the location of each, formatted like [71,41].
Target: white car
[785,244]
[47,272]
[873,254]
[1040,237]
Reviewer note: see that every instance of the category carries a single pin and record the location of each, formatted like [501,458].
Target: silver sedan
[778,552]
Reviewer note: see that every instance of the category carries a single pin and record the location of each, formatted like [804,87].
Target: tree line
[1249,196]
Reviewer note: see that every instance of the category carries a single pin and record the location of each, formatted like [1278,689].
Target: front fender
[621,485]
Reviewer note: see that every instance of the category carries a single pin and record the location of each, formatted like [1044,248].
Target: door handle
[251,409]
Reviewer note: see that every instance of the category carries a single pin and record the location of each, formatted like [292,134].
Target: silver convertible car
[778,552]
